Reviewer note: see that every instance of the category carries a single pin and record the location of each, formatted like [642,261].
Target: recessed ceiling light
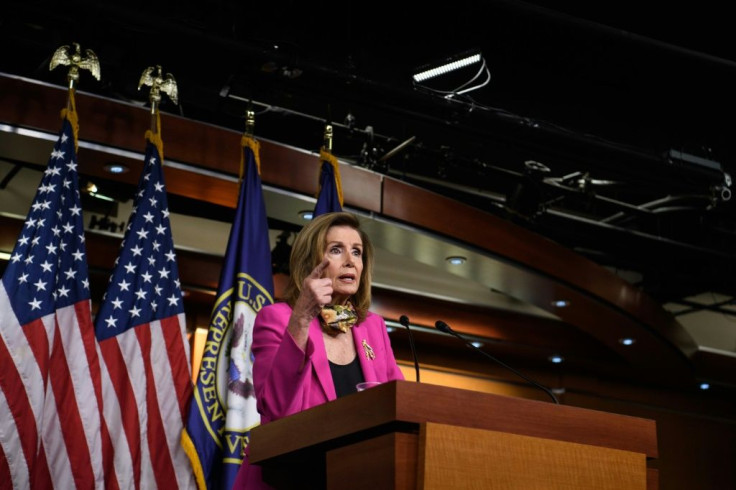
[116,168]
[456,260]
[306,214]
[556,359]
[560,303]
[704,386]
[627,341]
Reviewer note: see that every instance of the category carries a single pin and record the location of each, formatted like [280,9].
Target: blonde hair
[308,252]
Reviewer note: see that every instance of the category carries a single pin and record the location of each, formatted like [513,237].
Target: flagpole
[329,195]
[218,427]
[154,112]
[141,329]
[250,124]
[50,390]
[327,143]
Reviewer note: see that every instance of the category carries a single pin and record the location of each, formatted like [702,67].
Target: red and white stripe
[146,387]
[50,425]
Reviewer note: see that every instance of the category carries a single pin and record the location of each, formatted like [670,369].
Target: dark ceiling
[627,111]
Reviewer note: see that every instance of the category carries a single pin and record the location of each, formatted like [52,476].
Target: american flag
[140,326]
[51,434]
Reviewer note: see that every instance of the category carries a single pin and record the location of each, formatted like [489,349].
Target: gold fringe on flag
[154,136]
[326,156]
[70,113]
[193,455]
[255,146]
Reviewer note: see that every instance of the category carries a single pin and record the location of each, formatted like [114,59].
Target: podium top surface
[407,404]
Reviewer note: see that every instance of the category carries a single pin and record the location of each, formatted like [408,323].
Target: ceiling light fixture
[477,344]
[627,341]
[453,64]
[456,260]
[116,168]
[446,66]
[560,303]
[704,386]
[555,359]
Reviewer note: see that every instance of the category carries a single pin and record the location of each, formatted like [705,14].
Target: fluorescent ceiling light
[450,65]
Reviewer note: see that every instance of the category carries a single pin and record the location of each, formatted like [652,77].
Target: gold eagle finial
[327,139]
[74,59]
[153,78]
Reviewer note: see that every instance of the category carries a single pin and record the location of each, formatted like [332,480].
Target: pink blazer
[288,380]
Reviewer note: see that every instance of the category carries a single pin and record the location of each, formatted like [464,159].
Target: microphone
[404,320]
[444,327]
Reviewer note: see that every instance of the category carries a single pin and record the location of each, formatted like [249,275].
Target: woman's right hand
[316,292]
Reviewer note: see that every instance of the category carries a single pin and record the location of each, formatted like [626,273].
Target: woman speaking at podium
[322,341]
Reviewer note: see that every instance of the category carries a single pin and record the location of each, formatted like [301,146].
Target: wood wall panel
[605,306]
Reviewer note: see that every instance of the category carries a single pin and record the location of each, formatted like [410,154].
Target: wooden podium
[407,435]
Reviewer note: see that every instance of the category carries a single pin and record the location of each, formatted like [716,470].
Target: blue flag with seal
[329,199]
[223,409]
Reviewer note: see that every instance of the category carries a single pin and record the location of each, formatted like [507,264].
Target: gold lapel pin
[369,354]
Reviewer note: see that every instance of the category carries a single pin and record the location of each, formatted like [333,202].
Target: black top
[346,376]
